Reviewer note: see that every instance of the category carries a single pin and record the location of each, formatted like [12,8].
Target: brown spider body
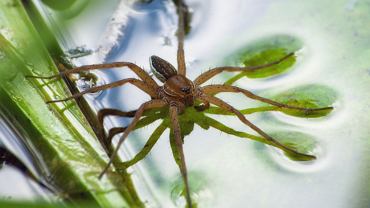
[177,93]
[177,89]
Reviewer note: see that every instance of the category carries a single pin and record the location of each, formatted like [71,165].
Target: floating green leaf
[299,141]
[263,52]
[308,96]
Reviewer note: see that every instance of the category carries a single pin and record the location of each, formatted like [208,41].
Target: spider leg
[138,83]
[147,147]
[218,102]
[136,69]
[111,112]
[214,89]
[213,72]
[113,132]
[106,140]
[182,11]
[175,127]
[143,122]
[148,105]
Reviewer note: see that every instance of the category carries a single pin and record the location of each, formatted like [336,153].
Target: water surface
[228,171]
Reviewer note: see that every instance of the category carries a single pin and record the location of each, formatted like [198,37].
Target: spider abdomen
[161,69]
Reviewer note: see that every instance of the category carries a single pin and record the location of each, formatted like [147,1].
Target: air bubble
[87,81]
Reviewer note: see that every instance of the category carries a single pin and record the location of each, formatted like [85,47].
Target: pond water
[18,166]
[226,171]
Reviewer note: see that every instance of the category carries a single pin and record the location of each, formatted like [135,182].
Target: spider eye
[185,89]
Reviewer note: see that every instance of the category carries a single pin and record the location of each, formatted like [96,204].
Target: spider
[176,93]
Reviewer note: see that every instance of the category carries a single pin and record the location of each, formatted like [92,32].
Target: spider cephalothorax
[177,88]
[178,93]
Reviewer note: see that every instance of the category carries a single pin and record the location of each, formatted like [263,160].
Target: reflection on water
[17,165]
[201,192]
[241,172]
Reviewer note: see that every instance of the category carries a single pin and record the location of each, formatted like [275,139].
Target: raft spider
[177,92]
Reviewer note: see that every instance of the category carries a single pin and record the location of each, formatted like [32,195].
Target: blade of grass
[61,141]
[61,136]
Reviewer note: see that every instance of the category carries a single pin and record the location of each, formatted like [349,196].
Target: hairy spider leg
[138,83]
[114,131]
[181,10]
[218,102]
[136,69]
[111,112]
[175,127]
[213,72]
[147,105]
[215,89]
[144,122]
